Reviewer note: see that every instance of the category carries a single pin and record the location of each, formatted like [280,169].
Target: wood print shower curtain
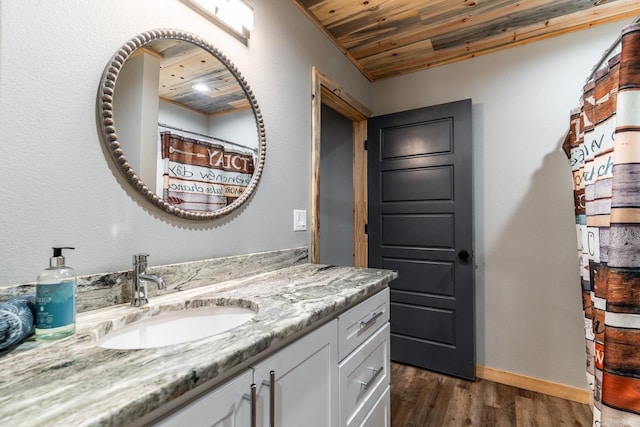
[603,145]
[200,175]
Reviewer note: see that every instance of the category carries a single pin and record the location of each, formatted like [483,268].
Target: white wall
[237,126]
[529,310]
[56,188]
[172,115]
[135,110]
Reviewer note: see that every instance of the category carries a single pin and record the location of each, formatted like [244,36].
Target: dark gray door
[421,224]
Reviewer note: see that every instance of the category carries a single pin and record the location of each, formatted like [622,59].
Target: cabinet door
[223,406]
[306,379]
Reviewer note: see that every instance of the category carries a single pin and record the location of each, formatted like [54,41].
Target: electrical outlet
[299,220]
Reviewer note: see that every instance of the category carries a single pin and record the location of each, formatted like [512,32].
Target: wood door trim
[325,91]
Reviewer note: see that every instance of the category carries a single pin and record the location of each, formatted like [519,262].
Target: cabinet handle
[374,316]
[376,372]
[252,398]
[272,397]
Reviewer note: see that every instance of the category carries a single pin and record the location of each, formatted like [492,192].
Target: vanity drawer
[363,378]
[380,415]
[359,323]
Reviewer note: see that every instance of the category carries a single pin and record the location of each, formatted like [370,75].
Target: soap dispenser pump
[56,299]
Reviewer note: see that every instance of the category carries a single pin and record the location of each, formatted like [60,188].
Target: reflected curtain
[200,175]
[603,145]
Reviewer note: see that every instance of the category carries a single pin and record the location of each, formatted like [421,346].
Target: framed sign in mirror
[182,124]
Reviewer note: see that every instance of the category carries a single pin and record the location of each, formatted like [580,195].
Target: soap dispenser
[56,299]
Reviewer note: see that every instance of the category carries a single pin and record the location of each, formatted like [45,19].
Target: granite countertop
[74,382]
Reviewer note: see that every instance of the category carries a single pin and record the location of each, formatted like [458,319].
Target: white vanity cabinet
[302,375]
[364,377]
[296,386]
[336,375]
[228,405]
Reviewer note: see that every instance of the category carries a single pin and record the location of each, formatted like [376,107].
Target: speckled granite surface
[73,382]
[105,289]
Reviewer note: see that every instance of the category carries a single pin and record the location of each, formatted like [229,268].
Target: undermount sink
[175,327]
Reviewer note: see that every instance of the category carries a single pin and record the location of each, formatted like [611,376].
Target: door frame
[326,91]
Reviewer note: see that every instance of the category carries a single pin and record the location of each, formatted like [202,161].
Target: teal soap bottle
[56,299]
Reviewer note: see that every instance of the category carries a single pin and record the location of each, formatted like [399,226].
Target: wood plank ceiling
[183,65]
[386,38]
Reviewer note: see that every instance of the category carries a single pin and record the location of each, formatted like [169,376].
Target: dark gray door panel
[420,220]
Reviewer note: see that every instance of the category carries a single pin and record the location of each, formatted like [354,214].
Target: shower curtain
[603,145]
[200,175]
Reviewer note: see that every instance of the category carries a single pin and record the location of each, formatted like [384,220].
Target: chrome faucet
[140,277]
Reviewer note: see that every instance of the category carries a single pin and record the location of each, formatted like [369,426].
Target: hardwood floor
[422,398]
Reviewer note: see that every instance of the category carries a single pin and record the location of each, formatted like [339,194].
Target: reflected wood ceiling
[184,64]
[386,38]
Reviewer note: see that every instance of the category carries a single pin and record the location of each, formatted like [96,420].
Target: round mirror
[182,124]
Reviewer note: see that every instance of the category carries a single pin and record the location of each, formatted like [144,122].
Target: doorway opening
[327,92]
[336,195]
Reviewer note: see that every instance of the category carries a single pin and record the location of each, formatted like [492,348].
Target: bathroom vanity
[319,341]
[336,375]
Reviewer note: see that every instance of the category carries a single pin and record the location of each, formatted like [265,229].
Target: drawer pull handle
[371,321]
[376,373]
[272,398]
[252,399]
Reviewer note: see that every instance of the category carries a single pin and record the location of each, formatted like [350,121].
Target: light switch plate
[299,220]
